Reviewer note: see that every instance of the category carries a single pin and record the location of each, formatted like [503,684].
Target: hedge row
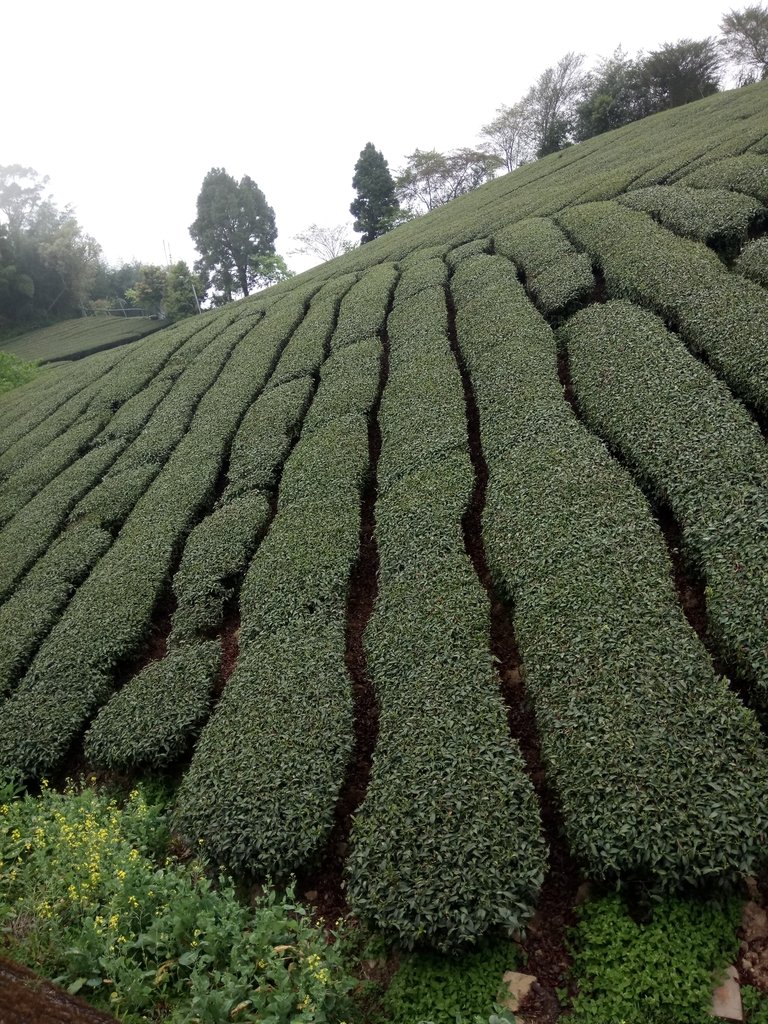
[479,247]
[110,614]
[558,277]
[447,843]
[70,382]
[717,312]
[753,261]
[154,718]
[215,557]
[27,537]
[41,520]
[61,453]
[265,803]
[34,460]
[659,770]
[349,383]
[715,216]
[307,348]
[694,447]
[29,614]
[423,429]
[265,437]
[747,173]
[364,308]
[207,354]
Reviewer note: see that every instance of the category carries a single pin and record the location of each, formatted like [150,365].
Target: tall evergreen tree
[375,209]
[234,226]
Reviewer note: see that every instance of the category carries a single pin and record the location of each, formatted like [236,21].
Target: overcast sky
[127,106]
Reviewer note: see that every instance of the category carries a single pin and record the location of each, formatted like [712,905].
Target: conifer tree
[375,209]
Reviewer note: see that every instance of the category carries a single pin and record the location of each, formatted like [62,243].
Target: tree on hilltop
[234,226]
[375,209]
[324,242]
[551,103]
[430,179]
[682,72]
[745,41]
[182,292]
[614,94]
[508,135]
[48,264]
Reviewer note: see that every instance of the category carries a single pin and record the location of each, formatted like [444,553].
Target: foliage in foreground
[446,989]
[14,371]
[86,898]
[630,973]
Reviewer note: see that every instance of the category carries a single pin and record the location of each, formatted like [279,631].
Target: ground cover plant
[90,895]
[373,561]
[652,971]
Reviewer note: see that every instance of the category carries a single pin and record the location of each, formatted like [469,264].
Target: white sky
[127,106]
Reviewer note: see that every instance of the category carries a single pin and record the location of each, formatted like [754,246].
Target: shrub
[718,313]
[557,276]
[447,843]
[693,447]
[623,692]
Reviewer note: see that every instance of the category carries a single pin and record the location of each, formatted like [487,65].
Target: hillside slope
[435,553]
[74,339]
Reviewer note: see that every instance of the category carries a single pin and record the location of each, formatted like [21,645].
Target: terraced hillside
[461,538]
[74,339]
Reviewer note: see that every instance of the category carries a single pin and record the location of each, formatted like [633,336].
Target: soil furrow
[689,586]
[544,944]
[323,885]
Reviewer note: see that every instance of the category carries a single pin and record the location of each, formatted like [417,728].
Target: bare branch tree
[324,242]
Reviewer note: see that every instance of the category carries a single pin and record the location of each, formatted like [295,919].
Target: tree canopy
[551,103]
[234,227]
[375,208]
[324,242]
[509,135]
[430,179]
[48,264]
[682,72]
[745,41]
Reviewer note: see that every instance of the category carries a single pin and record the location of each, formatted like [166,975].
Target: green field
[73,339]
[461,538]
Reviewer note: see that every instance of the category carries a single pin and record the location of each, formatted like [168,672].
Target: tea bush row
[694,448]
[99,403]
[349,382]
[110,614]
[156,715]
[718,313]
[52,390]
[307,348]
[447,843]
[557,276]
[753,261]
[30,612]
[745,173]
[269,765]
[26,538]
[265,804]
[153,719]
[364,308]
[659,769]
[716,216]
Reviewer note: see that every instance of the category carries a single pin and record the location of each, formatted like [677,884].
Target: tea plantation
[464,436]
